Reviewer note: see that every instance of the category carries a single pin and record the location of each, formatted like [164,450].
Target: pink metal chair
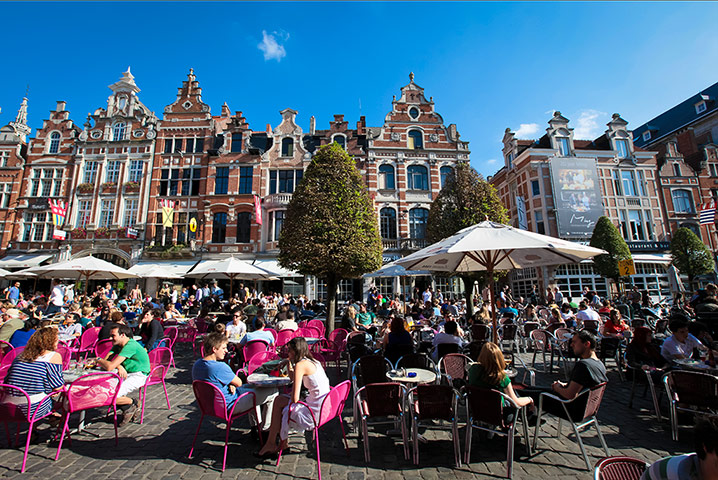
[273,332]
[89,391]
[172,333]
[331,408]
[211,402]
[15,407]
[7,360]
[331,351]
[5,347]
[311,332]
[66,355]
[160,360]
[318,324]
[258,360]
[102,348]
[87,342]
[253,347]
[338,335]
[619,468]
[186,334]
[284,336]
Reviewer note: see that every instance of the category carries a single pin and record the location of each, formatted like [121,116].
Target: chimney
[269,129]
[60,106]
[225,110]
[338,118]
[312,125]
[361,125]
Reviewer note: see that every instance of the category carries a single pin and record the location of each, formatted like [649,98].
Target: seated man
[259,334]
[211,368]
[681,344]
[586,313]
[14,320]
[449,335]
[288,323]
[132,364]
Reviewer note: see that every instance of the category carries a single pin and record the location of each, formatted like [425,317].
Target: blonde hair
[492,360]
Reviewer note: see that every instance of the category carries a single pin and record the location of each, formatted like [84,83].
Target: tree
[607,237]
[330,228]
[690,255]
[465,200]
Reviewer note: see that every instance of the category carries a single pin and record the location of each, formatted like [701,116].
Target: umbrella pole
[231,286]
[490,272]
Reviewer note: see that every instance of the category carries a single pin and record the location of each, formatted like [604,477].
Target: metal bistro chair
[381,403]
[433,402]
[479,332]
[509,334]
[545,342]
[485,411]
[693,392]
[579,412]
[417,360]
[367,370]
[103,348]
[619,468]
[160,361]
[453,368]
[610,347]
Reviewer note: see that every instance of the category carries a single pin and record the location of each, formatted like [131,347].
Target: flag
[132,233]
[258,209]
[59,211]
[708,212]
[58,234]
[168,209]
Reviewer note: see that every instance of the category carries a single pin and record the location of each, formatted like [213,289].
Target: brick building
[560,186]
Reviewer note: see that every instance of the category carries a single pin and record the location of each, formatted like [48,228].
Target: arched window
[692,227]
[341,141]
[54,143]
[445,172]
[415,139]
[418,218]
[386,177]
[219,227]
[287,147]
[244,227]
[418,177]
[387,222]
[683,201]
[118,131]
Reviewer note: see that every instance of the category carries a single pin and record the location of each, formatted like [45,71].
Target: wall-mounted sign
[577,195]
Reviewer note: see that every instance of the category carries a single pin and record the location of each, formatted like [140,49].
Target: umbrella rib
[572,260]
[506,255]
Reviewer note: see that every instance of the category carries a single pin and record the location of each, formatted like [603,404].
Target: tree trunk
[468,294]
[332,283]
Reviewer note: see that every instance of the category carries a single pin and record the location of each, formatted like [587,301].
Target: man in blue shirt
[13,293]
[258,334]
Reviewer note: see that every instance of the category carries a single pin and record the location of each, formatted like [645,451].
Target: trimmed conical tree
[690,255]
[465,200]
[607,237]
[330,228]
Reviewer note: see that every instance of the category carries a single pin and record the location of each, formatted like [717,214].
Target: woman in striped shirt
[38,370]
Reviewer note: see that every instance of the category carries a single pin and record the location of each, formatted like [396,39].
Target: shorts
[134,381]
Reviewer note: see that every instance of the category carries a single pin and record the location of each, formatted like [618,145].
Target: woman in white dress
[303,370]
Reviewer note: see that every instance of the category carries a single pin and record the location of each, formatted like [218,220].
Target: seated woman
[171,312]
[71,329]
[490,372]
[38,370]
[555,316]
[615,326]
[642,353]
[304,371]
[150,330]
[567,315]
[397,340]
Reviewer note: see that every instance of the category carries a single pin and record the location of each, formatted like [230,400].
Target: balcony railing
[276,199]
[404,243]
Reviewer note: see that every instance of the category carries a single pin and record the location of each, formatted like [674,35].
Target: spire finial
[411,77]
[191,71]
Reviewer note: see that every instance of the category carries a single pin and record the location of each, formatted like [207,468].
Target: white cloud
[587,125]
[526,130]
[270,46]
[491,161]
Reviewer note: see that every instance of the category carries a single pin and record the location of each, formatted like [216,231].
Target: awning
[23,260]
[662,258]
[272,266]
[177,267]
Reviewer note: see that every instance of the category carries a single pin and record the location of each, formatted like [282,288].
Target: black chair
[475,348]
[394,352]
[417,360]
[479,332]
[610,347]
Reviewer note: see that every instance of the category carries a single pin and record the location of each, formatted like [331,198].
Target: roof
[680,115]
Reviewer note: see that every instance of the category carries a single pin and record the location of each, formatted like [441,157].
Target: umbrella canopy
[394,270]
[230,268]
[87,268]
[489,246]
[156,272]
[4,273]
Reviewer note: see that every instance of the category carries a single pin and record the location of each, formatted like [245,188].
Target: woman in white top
[303,370]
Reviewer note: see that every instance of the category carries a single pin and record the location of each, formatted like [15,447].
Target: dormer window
[677,170]
[415,140]
[341,141]
[236,145]
[564,146]
[54,143]
[118,131]
[510,160]
[622,148]
[414,113]
[646,135]
[287,147]
[700,107]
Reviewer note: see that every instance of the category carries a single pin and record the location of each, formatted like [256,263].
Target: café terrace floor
[158,448]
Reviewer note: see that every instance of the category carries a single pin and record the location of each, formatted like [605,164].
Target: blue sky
[488,65]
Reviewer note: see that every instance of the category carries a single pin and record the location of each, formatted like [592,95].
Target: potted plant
[102,232]
[85,188]
[78,233]
[108,187]
[132,186]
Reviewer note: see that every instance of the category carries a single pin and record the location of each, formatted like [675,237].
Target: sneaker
[129,415]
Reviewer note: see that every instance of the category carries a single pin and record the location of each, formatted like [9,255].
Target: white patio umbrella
[156,272]
[394,270]
[89,268]
[489,246]
[230,268]
[4,273]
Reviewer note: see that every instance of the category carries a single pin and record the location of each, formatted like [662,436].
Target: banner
[132,233]
[59,211]
[59,234]
[258,209]
[577,196]
[708,213]
[168,210]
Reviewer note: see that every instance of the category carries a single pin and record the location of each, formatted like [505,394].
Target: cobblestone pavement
[158,448]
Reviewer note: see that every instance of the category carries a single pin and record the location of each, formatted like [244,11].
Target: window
[84,211]
[168,145]
[635,222]
[683,201]
[540,227]
[713,169]
[642,187]
[677,170]
[387,223]
[178,145]
[535,188]
[649,225]
[112,175]
[415,140]
[444,174]
[414,113]
[386,177]
[287,147]
[283,181]
[244,227]
[90,173]
[629,183]
[616,182]
[189,146]
[5,191]
[137,168]
[131,209]
[418,177]
[418,217]
[54,143]
[510,160]
[701,107]
[37,227]
[46,182]
[622,147]
[107,212]
[646,135]
[199,145]
[194,189]
[246,176]
[221,182]
[118,131]
[341,141]
[672,149]
[174,182]
[564,146]
[219,227]
[236,142]
[183,232]
[277,224]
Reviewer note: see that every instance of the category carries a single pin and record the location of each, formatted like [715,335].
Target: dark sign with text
[577,195]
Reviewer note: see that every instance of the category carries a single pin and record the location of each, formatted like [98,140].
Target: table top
[311,341]
[72,374]
[264,380]
[422,375]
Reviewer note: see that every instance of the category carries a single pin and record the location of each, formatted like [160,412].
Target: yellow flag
[168,209]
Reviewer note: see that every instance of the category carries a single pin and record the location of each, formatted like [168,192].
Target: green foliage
[607,237]
[690,255]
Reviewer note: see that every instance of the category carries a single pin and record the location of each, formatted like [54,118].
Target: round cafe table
[264,380]
[422,376]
